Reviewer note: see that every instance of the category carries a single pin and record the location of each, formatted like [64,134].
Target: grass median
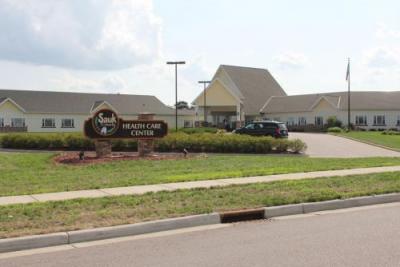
[390,141]
[31,173]
[47,217]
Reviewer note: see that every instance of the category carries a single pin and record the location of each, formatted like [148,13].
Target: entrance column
[145,146]
[238,115]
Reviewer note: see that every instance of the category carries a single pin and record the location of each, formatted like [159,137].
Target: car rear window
[282,126]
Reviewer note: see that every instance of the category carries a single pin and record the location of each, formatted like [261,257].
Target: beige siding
[326,111]
[217,95]
[34,121]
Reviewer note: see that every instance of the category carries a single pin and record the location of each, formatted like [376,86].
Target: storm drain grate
[242,215]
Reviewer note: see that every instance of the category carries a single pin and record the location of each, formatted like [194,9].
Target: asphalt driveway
[326,145]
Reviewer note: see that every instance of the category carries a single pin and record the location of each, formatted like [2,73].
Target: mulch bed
[72,158]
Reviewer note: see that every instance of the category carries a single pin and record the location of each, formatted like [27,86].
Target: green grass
[391,141]
[39,218]
[28,173]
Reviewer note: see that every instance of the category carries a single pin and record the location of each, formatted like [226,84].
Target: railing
[9,129]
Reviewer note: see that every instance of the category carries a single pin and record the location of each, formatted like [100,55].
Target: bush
[199,130]
[297,146]
[332,121]
[334,130]
[223,143]
[390,132]
[174,142]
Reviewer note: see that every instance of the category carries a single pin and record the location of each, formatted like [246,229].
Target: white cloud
[292,60]
[384,31]
[382,57]
[70,83]
[92,34]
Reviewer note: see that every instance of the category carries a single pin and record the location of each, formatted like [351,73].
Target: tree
[182,105]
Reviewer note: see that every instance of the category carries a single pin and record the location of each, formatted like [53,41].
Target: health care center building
[238,95]
[235,96]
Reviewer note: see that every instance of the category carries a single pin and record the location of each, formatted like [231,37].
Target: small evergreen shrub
[390,132]
[332,121]
[335,130]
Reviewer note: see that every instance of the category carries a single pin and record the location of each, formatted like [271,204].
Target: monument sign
[105,125]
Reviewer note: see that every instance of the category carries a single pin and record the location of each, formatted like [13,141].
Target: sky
[121,46]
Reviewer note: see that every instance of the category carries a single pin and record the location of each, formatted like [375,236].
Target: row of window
[46,123]
[379,120]
[300,121]
[15,122]
[361,120]
[51,123]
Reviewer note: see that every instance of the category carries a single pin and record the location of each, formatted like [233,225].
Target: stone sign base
[103,148]
[145,146]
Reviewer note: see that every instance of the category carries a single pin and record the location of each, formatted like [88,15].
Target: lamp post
[176,63]
[205,100]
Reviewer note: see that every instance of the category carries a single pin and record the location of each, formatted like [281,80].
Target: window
[187,124]
[290,121]
[302,121]
[17,122]
[361,120]
[250,126]
[48,123]
[379,120]
[398,120]
[258,126]
[67,123]
[1,122]
[319,121]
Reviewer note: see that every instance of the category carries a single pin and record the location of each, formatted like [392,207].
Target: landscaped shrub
[334,130]
[391,132]
[227,143]
[78,142]
[199,130]
[332,121]
[59,141]
[174,142]
[297,146]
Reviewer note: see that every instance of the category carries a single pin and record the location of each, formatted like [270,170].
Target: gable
[323,105]
[255,85]
[99,105]
[216,95]
[10,107]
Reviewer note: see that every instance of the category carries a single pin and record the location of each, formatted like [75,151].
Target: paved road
[326,145]
[366,236]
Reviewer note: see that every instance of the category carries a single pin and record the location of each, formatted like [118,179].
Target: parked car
[264,128]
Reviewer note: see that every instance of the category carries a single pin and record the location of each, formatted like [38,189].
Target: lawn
[28,173]
[391,141]
[47,217]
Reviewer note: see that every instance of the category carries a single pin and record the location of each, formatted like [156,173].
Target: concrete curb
[142,228]
[63,238]
[329,205]
[34,241]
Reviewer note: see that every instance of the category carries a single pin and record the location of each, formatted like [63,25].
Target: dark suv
[261,128]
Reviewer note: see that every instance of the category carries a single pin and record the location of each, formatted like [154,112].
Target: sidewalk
[142,189]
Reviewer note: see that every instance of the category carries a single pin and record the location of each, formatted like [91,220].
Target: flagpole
[348,95]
